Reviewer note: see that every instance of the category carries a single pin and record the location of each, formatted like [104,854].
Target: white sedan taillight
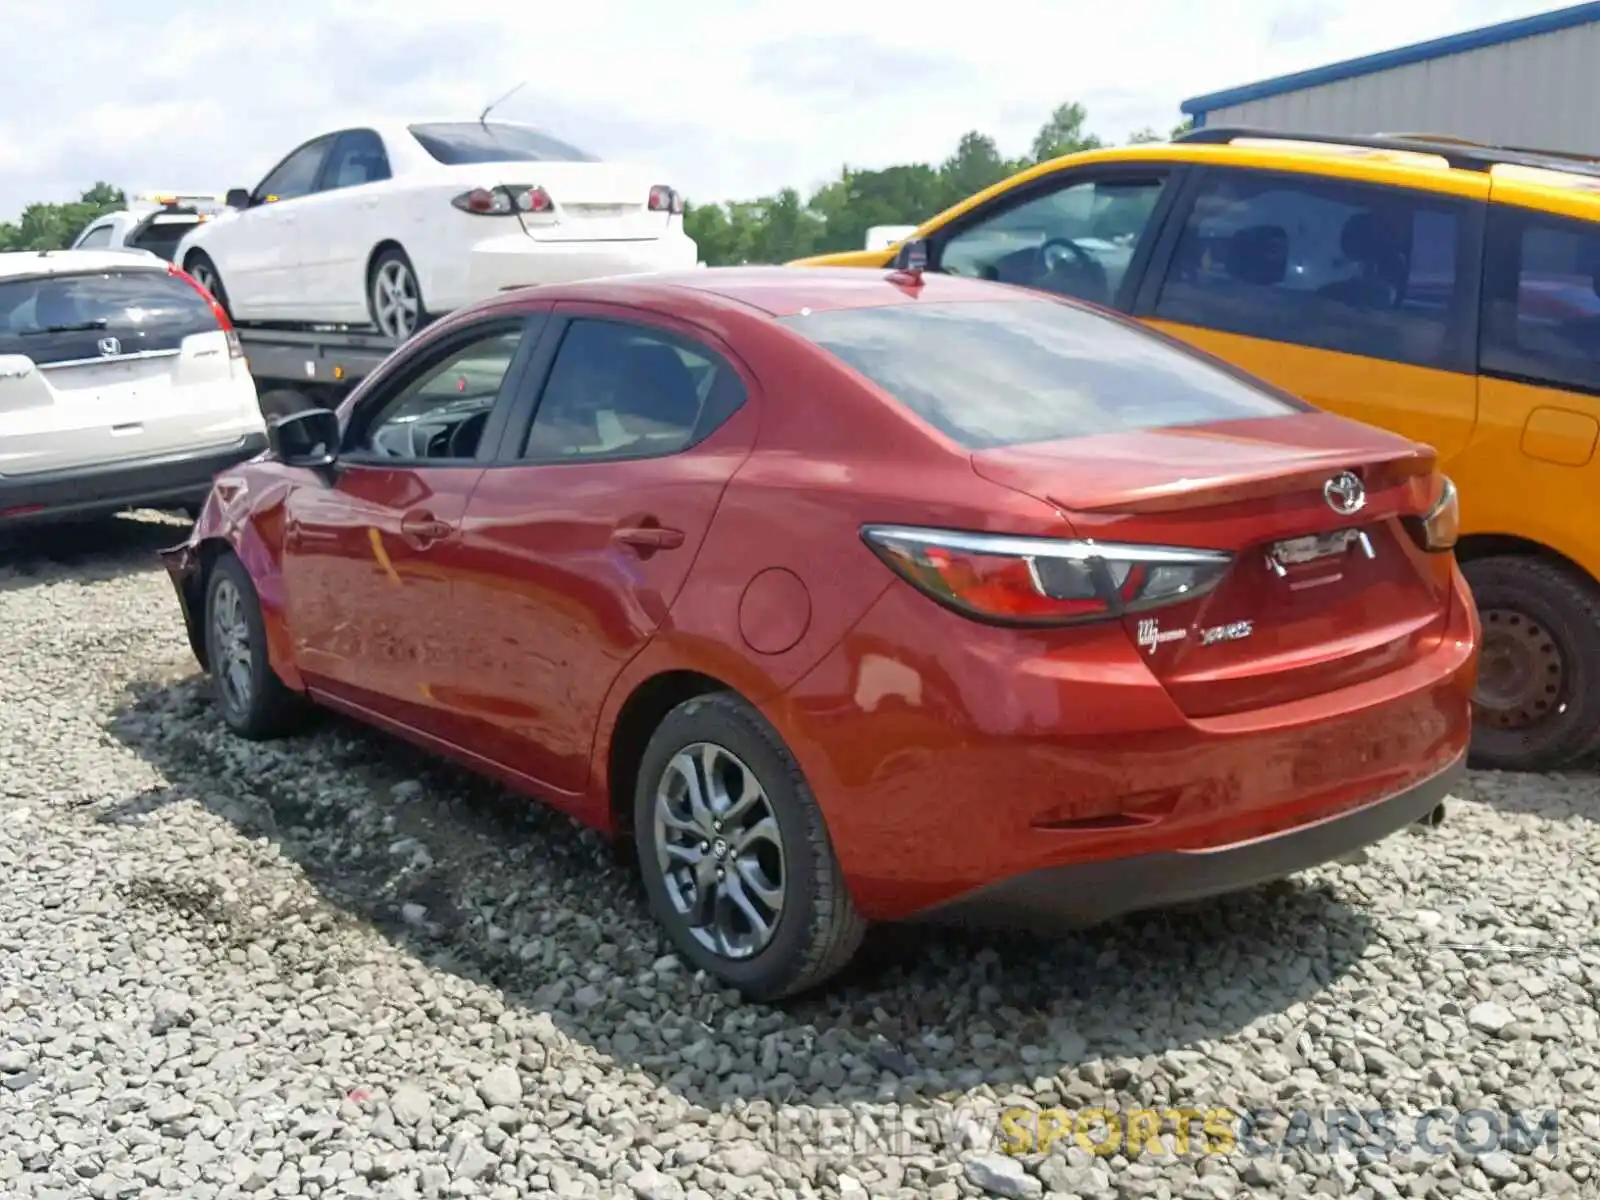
[503,200]
[665,199]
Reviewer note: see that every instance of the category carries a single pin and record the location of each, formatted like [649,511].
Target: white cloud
[732,97]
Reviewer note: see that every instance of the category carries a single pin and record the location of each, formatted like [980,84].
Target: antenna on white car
[483,117]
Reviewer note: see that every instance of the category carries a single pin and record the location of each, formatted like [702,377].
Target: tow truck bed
[296,369]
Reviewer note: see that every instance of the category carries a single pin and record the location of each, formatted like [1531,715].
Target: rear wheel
[204,271]
[1537,704]
[735,854]
[394,296]
[253,700]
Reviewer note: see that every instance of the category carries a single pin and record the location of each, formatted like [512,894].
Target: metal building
[1533,82]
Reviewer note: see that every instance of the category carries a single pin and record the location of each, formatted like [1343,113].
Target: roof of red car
[784,291]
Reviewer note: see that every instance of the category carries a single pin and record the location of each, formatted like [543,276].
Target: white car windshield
[457,143]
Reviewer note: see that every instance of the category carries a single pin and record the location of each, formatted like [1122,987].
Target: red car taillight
[1438,529]
[665,199]
[503,200]
[224,322]
[1043,581]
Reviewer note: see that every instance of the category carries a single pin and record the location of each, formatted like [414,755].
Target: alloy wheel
[231,645]
[720,850]
[204,276]
[396,302]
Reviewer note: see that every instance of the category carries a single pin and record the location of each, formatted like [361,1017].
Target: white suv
[122,384]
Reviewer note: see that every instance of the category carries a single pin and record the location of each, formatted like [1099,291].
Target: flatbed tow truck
[312,367]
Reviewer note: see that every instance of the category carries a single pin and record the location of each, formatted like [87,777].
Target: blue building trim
[1405,56]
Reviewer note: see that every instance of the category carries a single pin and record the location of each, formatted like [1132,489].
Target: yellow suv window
[1542,299]
[1321,263]
[1078,240]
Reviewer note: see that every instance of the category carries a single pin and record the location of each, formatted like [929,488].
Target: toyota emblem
[110,347]
[1345,494]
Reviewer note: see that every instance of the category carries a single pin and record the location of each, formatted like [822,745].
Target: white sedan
[391,224]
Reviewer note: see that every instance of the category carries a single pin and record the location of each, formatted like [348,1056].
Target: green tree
[975,165]
[858,200]
[54,226]
[1064,133]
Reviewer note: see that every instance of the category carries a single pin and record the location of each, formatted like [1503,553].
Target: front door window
[1077,240]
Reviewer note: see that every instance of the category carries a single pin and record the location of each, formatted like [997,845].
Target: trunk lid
[117,363]
[1315,598]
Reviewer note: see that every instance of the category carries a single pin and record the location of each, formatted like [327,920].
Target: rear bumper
[519,261]
[952,759]
[1079,894]
[171,479]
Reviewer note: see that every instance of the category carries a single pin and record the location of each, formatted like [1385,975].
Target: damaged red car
[849,597]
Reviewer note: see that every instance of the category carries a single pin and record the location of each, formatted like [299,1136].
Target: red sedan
[851,597]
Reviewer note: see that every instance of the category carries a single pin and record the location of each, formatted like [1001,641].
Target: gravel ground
[329,967]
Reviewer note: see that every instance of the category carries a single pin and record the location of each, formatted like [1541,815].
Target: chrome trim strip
[1074,550]
[136,356]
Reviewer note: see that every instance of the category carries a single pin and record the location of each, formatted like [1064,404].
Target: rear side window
[358,157]
[1320,263]
[1002,373]
[98,236]
[623,391]
[1541,318]
[61,318]
[456,143]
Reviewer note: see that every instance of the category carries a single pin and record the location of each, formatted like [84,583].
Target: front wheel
[204,272]
[735,855]
[253,701]
[394,296]
[1537,704]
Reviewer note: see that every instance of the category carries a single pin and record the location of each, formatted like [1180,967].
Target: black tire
[394,264]
[1541,651]
[266,709]
[199,264]
[817,930]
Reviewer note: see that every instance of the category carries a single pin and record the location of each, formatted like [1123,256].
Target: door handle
[645,540]
[422,528]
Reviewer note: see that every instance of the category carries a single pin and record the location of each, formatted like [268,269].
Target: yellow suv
[1444,290]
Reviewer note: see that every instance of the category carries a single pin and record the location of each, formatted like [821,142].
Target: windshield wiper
[73,327]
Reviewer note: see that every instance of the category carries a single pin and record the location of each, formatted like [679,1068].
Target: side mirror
[911,255]
[237,198]
[309,438]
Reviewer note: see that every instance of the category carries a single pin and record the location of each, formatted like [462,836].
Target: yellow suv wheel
[1537,706]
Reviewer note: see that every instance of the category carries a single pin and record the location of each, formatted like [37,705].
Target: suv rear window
[468,142]
[1000,373]
[60,318]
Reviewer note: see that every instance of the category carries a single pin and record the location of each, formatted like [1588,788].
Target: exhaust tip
[1433,818]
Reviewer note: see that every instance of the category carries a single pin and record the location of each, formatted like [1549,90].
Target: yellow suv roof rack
[1458,152]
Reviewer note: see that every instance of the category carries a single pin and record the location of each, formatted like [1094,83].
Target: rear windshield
[1008,372]
[468,142]
[163,234]
[60,318]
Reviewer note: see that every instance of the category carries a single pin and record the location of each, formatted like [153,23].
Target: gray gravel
[330,967]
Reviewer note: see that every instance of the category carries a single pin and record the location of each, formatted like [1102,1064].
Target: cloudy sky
[731,97]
